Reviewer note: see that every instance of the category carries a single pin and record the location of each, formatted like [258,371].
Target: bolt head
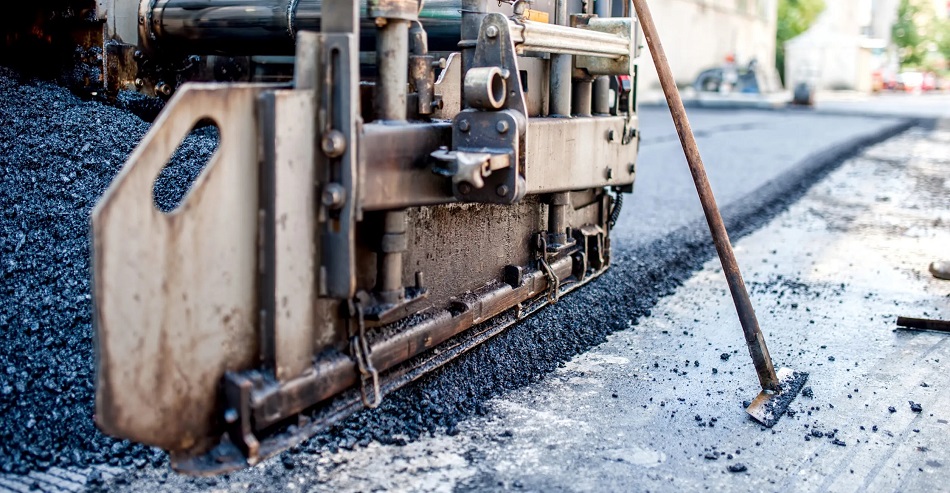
[333,196]
[491,31]
[501,126]
[464,188]
[139,83]
[611,136]
[333,143]
[464,125]
[502,190]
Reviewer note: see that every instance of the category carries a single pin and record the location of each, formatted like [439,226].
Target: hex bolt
[611,136]
[502,190]
[501,126]
[610,173]
[464,126]
[333,196]
[333,143]
[632,168]
[491,31]
[464,188]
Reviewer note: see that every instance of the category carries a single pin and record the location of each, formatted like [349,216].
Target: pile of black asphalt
[58,154]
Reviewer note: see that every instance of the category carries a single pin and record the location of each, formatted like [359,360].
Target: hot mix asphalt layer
[59,154]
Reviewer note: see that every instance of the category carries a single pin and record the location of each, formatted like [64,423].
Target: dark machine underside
[395,183]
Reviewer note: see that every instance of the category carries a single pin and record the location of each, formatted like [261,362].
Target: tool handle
[750,326]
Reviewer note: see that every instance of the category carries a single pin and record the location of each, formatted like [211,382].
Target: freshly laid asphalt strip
[57,155]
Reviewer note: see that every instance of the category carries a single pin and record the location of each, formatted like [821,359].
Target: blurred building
[700,34]
[848,44]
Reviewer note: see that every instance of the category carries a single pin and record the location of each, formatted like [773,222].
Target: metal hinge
[359,350]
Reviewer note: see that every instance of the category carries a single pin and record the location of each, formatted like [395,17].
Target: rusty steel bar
[923,324]
[750,326]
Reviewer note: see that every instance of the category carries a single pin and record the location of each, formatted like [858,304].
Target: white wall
[836,52]
[698,34]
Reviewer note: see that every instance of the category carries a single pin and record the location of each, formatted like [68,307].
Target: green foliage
[943,39]
[794,18]
[915,31]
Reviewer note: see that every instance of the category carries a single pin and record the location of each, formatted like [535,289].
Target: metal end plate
[768,407]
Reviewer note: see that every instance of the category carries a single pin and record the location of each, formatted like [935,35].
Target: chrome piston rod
[269,27]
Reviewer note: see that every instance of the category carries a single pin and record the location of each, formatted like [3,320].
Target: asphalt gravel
[58,153]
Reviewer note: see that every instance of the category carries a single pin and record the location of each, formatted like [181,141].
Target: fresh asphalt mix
[59,153]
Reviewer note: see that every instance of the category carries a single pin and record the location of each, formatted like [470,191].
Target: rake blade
[768,407]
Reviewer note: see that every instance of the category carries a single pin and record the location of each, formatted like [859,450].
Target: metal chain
[359,348]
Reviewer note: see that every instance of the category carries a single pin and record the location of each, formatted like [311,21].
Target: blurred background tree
[916,32]
[943,40]
[794,18]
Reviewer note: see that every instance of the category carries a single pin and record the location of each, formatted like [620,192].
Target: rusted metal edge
[923,324]
[272,402]
[494,318]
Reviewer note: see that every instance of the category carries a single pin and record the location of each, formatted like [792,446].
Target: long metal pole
[561,71]
[750,326]
[392,61]
[601,89]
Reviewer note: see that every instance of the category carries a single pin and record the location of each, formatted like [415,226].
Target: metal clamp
[359,350]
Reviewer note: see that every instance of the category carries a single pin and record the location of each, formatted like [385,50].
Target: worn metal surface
[337,165]
[448,87]
[590,152]
[750,326]
[392,62]
[290,247]
[395,175]
[561,64]
[559,38]
[625,28]
[175,294]
[601,90]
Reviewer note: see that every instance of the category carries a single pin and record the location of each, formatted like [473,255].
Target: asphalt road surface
[747,152]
